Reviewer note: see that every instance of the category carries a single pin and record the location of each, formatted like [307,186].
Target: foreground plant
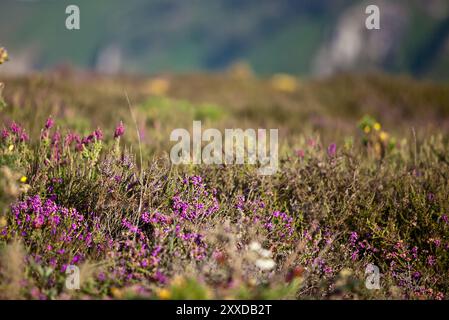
[159,231]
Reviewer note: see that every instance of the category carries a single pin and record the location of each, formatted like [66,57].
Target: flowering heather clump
[67,236]
[279,225]
[190,206]
[405,264]
[194,201]
[14,134]
[331,150]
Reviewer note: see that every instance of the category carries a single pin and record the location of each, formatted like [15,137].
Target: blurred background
[300,37]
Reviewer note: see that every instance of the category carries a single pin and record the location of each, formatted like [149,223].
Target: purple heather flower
[39,221]
[240,202]
[56,138]
[19,132]
[71,137]
[98,134]
[53,262]
[129,226]
[269,226]
[5,134]
[24,137]
[87,140]
[311,143]
[437,242]
[160,277]
[355,255]
[144,263]
[76,259]
[142,133]
[415,252]
[15,128]
[353,238]
[196,180]
[119,130]
[55,220]
[156,251]
[49,207]
[331,150]
[79,147]
[50,123]
[416,275]
[300,153]
[431,260]
[34,203]
[101,277]
[146,217]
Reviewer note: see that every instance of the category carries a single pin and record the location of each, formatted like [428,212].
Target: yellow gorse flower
[367,129]
[23,179]
[11,148]
[116,293]
[163,294]
[383,136]
[377,126]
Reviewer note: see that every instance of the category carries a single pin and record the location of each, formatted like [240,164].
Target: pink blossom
[119,130]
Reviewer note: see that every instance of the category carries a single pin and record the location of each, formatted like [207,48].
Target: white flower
[265,253]
[255,246]
[265,264]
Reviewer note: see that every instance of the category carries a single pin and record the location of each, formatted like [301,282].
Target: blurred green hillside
[293,36]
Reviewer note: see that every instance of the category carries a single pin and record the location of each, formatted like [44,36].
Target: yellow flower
[163,294]
[367,129]
[11,147]
[284,82]
[23,179]
[377,126]
[383,136]
[116,292]
[3,222]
